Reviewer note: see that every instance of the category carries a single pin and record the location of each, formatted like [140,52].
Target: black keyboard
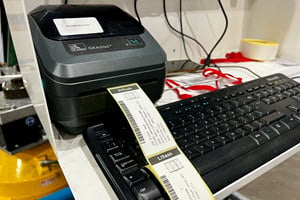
[225,134]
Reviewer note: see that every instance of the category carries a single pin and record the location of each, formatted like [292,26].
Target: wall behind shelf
[275,20]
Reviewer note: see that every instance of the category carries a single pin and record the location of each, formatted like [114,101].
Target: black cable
[225,28]
[207,60]
[136,11]
[216,66]
[183,65]
[175,30]
[181,30]
[242,67]
[66,2]
[295,77]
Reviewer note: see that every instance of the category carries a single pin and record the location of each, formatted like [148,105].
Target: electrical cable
[208,55]
[295,77]
[66,2]
[136,11]
[207,60]
[242,67]
[177,31]
[181,31]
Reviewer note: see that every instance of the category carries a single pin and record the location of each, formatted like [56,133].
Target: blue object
[64,194]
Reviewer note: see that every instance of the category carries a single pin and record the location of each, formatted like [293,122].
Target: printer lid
[118,24]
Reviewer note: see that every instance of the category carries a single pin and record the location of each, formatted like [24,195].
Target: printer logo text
[107,46]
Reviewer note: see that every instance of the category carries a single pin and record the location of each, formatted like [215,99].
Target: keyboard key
[257,125]
[280,127]
[210,133]
[192,117]
[197,138]
[228,105]
[185,143]
[134,178]
[233,135]
[212,143]
[235,123]
[146,190]
[268,100]
[177,134]
[101,133]
[250,116]
[259,138]
[110,145]
[287,93]
[232,114]
[244,120]
[273,117]
[257,114]
[187,131]
[249,128]
[118,155]
[223,117]
[209,122]
[127,166]
[291,122]
[247,108]
[202,149]
[293,108]
[223,139]
[294,92]
[248,99]
[269,132]
[191,153]
[240,131]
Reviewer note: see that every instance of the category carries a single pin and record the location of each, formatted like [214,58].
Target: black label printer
[82,50]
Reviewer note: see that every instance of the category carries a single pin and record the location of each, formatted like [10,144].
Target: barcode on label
[169,187]
[132,122]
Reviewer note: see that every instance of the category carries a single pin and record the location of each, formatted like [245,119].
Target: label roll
[261,50]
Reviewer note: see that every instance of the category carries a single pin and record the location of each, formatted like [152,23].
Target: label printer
[84,49]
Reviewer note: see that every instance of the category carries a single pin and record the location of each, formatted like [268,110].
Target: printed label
[166,161]
[77,26]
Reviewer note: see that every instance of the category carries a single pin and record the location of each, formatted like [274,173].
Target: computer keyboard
[225,134]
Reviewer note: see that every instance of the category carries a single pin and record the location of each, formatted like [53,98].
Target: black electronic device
[20,127]
[226,134]
[84,49]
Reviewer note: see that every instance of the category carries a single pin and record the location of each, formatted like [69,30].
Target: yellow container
[22,177]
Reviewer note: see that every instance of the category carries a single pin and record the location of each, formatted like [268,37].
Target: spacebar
[224,154]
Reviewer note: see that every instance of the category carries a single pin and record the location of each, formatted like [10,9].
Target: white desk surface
[87,181]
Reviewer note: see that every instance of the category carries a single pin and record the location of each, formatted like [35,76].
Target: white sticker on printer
[77,26]
[165,160]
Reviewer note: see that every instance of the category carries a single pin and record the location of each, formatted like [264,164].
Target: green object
[11,57]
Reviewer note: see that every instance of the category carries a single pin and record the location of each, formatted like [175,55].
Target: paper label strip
[165,160]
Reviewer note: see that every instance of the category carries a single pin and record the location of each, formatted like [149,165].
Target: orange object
[24,177]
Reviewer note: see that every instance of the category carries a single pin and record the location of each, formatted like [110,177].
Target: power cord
[241,67]
[207,60]
[66,2]
[136,11]
[295,77]
[181,33]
